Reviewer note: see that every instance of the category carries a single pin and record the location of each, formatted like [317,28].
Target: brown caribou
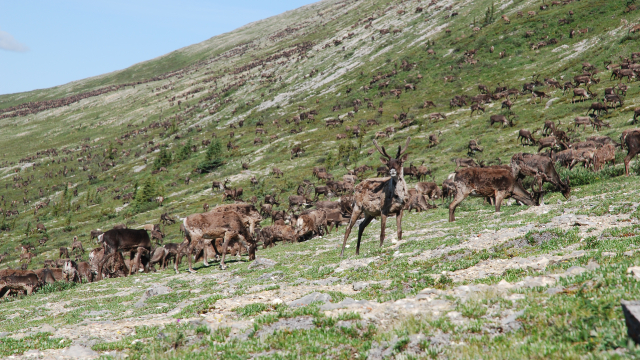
[491,182]
[380,197]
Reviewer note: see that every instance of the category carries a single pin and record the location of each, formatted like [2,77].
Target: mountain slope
[96,152]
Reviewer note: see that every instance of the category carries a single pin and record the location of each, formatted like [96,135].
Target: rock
[375,353]
[628,253]
[360,285]
[262,263]
[79,352]
[631,310]
[96,313]
[235,280]
[347,302]
[592,265]
[511,323]
[357,263]
[4,334]
[514,297]
[554,290]
[635,271]
[151,292]
[608,253]
[575,270]
[440,340]
[46,328]
[276,301]
[32,353]
[296,323]
[429,291]
[327,281]
[270,276]
[308,299]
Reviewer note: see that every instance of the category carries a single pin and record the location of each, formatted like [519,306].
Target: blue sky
[49,43]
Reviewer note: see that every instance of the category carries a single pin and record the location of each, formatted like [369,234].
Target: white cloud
[8,42]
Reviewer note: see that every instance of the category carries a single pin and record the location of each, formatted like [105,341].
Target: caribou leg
[399,224]
[628,158]
[363,225]
[204,256]
[456,201]
[500,195]
[228,235]
[383,227]
[355,214]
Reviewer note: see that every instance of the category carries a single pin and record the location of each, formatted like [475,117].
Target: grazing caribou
[116,240]
[526,135]
[541,168]
[203,229]
[492,182]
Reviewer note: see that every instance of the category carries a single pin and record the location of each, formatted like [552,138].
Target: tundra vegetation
[282,114]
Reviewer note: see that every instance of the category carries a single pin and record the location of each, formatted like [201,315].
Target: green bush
[163,160]
[581,176]
[144,198]
[185,152]
[212,157]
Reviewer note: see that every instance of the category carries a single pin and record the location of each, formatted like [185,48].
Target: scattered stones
[346,303]
[79,352]
[631,310]
[277,301]
[311,298]
[96,313]
[592,265]
[261,263]
[270,276]
[151,292]
[357,263]
[555,290]
[575,270]
[635,271]
[46,328]
[327,281]
[361,285]
[511,323]
[296,323]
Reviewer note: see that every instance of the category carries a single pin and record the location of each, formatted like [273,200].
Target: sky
[48,43]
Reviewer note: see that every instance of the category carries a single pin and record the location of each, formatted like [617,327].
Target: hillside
[544,280]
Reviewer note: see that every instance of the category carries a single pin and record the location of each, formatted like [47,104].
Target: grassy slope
[104,118]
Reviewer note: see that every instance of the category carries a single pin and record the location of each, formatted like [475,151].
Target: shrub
[212,157]
[581,176]
[145,196]
[163,160]
[185,152]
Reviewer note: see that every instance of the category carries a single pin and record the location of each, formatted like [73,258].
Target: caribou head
[394,164]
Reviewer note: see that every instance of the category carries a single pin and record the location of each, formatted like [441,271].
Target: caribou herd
[239,228]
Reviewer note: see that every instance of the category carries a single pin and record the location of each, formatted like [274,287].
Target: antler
[381,151]
[403,150]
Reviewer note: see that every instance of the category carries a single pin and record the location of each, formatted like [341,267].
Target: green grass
[558,326]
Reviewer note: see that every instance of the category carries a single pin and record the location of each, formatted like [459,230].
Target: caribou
[380,196]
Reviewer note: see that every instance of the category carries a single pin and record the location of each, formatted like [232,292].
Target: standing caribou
[380,196]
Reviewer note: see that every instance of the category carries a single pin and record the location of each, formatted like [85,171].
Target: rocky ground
[487,297]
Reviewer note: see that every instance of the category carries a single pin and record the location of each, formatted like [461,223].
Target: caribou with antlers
[380,196]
